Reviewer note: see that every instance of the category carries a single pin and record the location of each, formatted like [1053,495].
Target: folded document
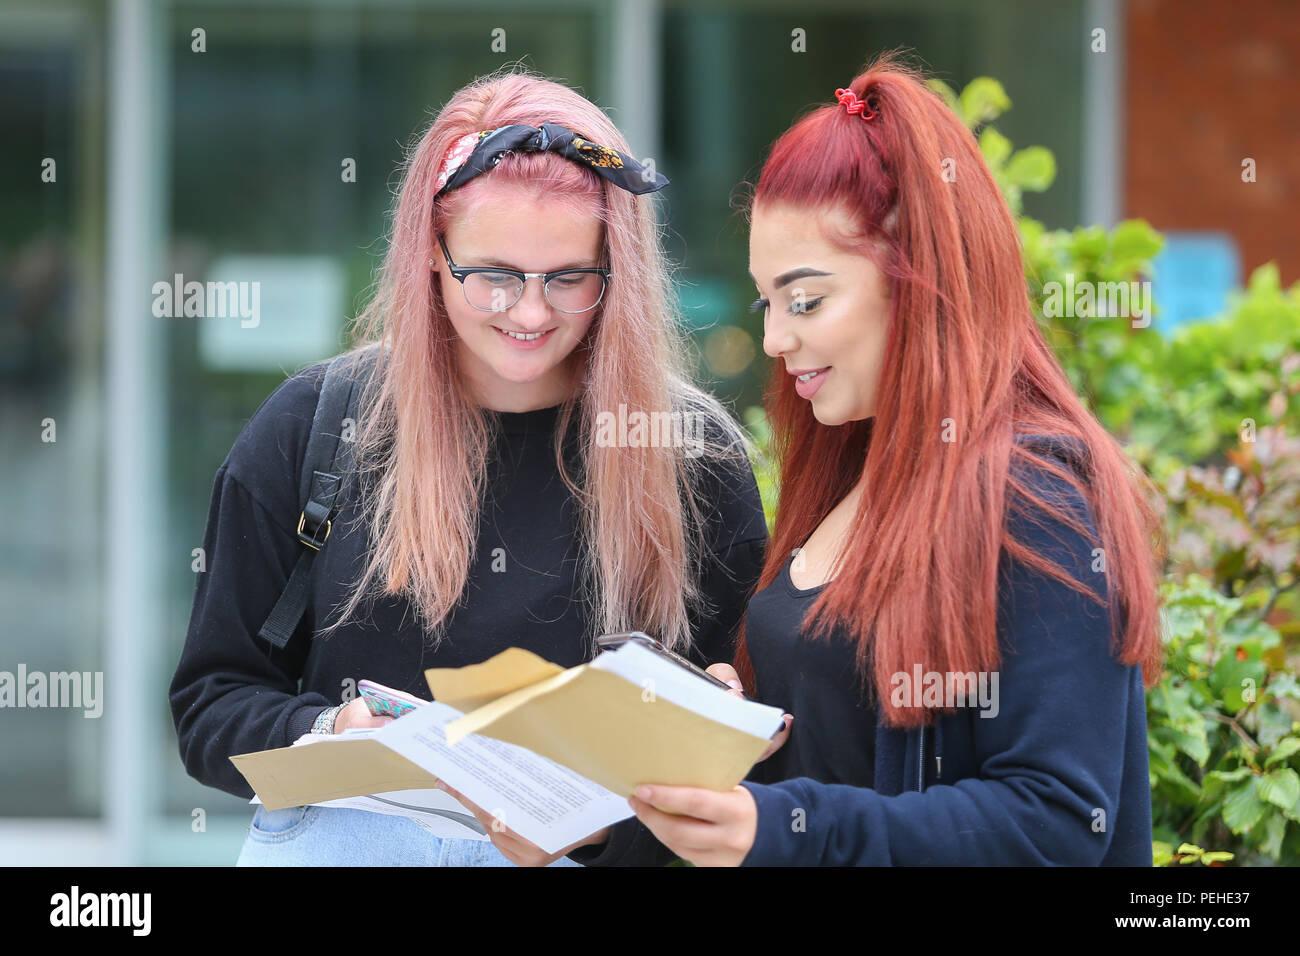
[552,753]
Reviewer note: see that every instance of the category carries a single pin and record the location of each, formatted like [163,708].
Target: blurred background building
[147,139]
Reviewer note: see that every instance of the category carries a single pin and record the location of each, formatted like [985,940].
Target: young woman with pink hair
[958,604]
[524,295]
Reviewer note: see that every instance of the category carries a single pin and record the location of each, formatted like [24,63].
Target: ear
[890,222]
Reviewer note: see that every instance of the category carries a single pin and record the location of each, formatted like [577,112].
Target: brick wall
[1207,84]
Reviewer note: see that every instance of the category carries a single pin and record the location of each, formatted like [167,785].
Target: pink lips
[526,346]
[809,388]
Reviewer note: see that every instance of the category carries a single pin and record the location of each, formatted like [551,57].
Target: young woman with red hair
[959,601]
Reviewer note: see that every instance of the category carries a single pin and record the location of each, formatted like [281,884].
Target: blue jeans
[338,836]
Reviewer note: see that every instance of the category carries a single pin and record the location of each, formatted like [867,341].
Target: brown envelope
[597,723]
[314,773]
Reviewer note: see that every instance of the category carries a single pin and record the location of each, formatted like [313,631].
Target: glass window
[52,432]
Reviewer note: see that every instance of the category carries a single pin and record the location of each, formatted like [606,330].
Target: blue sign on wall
[1194,273]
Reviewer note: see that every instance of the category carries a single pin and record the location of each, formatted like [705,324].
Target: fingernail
[643,793]
[735,684]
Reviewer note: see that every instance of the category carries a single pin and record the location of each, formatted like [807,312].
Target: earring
[431,263]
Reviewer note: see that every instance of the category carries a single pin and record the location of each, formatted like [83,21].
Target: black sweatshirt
[234,692]
[1055,771]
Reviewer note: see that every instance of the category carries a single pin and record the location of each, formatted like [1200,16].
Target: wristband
[325,720]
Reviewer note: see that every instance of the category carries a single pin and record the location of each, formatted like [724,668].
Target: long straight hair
[423,442]
[964,361]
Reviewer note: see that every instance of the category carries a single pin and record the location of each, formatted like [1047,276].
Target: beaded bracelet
[325,720]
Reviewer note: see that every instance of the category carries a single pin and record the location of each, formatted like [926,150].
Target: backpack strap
[325,468]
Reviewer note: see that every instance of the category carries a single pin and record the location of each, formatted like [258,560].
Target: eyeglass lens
[498,291]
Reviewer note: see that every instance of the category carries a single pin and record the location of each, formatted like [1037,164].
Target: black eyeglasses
[492,289]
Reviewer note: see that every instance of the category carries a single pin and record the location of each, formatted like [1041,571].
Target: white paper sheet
[673,683]
[543,802]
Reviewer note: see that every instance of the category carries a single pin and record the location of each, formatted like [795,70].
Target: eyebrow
[803,272]
[499,264]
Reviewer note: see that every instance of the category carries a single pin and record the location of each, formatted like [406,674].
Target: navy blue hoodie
[1058,776]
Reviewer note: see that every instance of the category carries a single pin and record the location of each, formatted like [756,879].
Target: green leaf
[1284,685]
[983,100]
[1216,780]
[1032,168]
[1193,744]
[1242,808]
[1274,832]
[995,147]
[1087,243]
[1229,676]
[1282,789]
[945,92]
[1175,786]
[1265,279]
[1135,239]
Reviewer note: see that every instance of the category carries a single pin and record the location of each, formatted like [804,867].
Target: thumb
[727,674]
[357,714]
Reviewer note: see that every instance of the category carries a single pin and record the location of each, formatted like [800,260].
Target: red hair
[964,355]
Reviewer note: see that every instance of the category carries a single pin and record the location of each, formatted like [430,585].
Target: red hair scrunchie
[849,100]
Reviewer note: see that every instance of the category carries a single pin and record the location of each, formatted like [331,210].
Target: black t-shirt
[233,692]
[832,739]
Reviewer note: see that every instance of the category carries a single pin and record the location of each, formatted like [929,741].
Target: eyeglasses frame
[461,273]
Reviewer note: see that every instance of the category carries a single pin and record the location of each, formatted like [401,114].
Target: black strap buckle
[311,540]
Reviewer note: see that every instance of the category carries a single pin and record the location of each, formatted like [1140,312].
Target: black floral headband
[475,153]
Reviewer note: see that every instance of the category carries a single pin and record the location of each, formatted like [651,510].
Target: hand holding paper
[703,827]
[513,847]
[551,753]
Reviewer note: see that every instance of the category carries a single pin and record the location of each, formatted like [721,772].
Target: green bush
[1194,392]
[1224,741]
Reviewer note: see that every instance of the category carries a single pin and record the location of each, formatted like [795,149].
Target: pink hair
[425,442]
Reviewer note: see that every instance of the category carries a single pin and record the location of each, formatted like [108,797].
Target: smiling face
[516,229]
[827,308]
